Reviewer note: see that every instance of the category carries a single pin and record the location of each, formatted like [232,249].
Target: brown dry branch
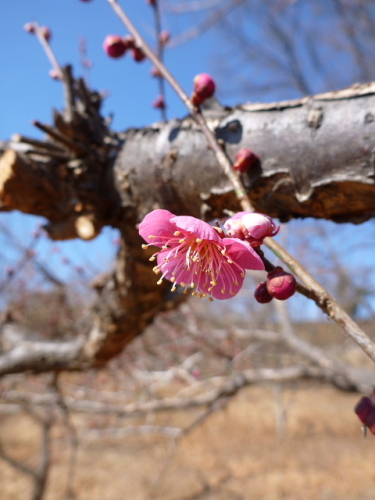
[39,474]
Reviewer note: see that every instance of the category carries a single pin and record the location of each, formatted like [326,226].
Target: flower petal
[243,254]
[198,227]
[157,223]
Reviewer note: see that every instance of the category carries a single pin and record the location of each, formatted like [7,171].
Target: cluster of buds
[365,409]
[116,46]
[245,160]
[44,31]
[280,285]
[204,88]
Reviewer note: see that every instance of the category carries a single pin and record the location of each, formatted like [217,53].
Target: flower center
[196,263]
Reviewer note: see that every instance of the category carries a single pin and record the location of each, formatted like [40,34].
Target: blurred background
[285,439]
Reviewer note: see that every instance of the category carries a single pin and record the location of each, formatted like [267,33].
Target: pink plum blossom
[251,227]
[196,255]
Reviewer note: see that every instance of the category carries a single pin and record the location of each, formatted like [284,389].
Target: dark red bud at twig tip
[261,293]
[164,37]
[245,159]
[55,74]
[280,284]
[159,102]
[29,27]
[138,54]
[365,409]
[152,2]
[85,0]
[114,46]
[204,88]
[46,33]
[129,41]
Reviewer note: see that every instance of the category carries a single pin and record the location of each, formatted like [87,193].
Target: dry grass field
[237,453]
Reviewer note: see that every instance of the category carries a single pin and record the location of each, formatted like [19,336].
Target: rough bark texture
[317,158]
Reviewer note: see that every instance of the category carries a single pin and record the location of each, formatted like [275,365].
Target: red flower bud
[365,409]
[261,293]
[138,54]
[55,74]
[159,102]
[46,33]
[29,27]
[114,46]
[281,284]
[129,41]
[164,37]
[245,159]
[85,0]
[151,2]
[204,88]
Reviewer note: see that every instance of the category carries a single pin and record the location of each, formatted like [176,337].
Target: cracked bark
[317,160]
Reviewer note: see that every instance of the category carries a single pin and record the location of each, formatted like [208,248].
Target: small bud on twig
[245,159]
[159,102]
[280,284]
[164,37]
[114,46]
[261,293]
[29,27]
[138,54]
[46,33]
[204,88]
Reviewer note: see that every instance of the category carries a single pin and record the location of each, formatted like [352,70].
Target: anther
[145,247]
[152,258]
[177,233]
[183,283]
[192,285]
[199,240]
[151,237]
[210,299]
[160,281]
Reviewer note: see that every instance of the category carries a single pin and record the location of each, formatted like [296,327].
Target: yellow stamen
[152,258]
[177,233]
[151,237]
[198,240]
[210,299]
[160,281]
[145,247]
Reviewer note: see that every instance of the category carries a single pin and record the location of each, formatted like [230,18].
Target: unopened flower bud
[252,227]
[46,33]
[280,284]
[154,71]
[114,46]
[261,293]
[129,41]
[159,102]
[365,409]
[151,2]
[164,37]
[29,27]
[85,0]
[204,88]
[245,159]
[138,54]
[255,227]
[55,74]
